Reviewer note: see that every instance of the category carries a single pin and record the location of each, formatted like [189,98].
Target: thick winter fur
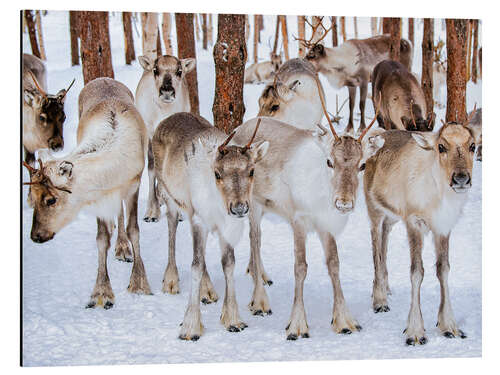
[421,179]
[161,92]
[102,171]
[263,72]
[476,125]
[293,96]
[213,188]
[401,98]
[352,63]
[311,180]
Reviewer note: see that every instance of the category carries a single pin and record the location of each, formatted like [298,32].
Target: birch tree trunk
[186,48]
[427,62]
[284,34]
[456,39]
[230,55]
[40,35]
[474,50]
[128,37]
[74,33]
[94,44]
[301,22]
[32,33]
[166,28]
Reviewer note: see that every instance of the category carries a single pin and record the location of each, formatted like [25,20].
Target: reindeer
[211,183]
[293,96]
[403,101]
[310,179]
[351,65]
[43,113]
[265,71]
[104,169]
[161,92]
[423,180]
[476,123]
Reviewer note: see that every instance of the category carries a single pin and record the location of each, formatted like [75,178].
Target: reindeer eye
[329,163]
[251,173]
[275,107]
[441,148]
[472,147]
[50,201]
[43,117]
[362,167]
[217,175]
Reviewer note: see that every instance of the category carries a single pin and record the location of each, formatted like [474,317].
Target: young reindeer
[161,92]
[311,180]
[104,169]
[403,101]
[293,96]
[212,183]
[351,65]
[265,71]
[423,180]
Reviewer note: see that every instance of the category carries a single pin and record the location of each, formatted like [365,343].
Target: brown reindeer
[403,101]
[421,179]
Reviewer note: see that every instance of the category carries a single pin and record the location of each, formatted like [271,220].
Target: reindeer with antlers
[43,113]
[429,175]
[211,183]
[310,178]
[351,64]
[403,101]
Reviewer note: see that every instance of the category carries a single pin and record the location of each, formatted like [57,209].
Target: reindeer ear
[61,96]
[259,151]
[188,64]
[146,63]
[425,140]
[65,169]
[29,97]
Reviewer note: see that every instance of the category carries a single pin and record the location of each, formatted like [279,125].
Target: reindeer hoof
[292,337]
[345,331]
[358,327]
[268,282]
[412,341]
[108,305]
[149,219]
[187,338]
[90,305]
[206,301]
[305,335]
[382,308]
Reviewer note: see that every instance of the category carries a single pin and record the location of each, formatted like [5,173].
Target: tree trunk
[342,28]
[373,24]
[256,33]
[355,20]
[149,36]
[144,17]
[261,25]
[166,27]
[386,25]
[319,31]
[95,47]
[480,53]
[196,26]
[301,21]
[276,36]
[230,56]
[469,50]
[247,29]
[474,51]
[284,34]
[456,39]
[428,62]
[335,40]
[158,42]
[128,37]
[40,35]
[25,25]
[74,32]
[32,33]
[186,48]
[395,39]
[204,30]
[411,30]
[211,31]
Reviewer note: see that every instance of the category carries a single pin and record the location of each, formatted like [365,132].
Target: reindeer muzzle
[39,236]
[461,182]
[344,206]
[239,209]
[56,144]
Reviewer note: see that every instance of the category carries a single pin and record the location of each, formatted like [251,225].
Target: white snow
[58,276]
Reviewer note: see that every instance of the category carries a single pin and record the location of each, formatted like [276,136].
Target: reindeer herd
[283,161]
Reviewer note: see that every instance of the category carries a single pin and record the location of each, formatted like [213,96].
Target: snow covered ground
[58,276]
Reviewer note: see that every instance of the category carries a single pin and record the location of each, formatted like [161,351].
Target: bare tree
[230,56]
[261,25]
[204,30]
[427,62]
[40,35]
[186,48]
[456,84]
[74,33]
[159,52]
[474,50]
[256,33]
[211,30]
[32,33]
[335,38]
[386,25]
[150,35]
[342,28]
[411,30]
[166,28]
[373,25]
[355,20]
[276,35]
[128,37]
[284,34]
[247,28]
[395,31]
[196,26]
[301,21]
[94,44]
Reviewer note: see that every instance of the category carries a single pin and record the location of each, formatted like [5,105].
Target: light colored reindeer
[263,72]
[161,92]
[421,179]
[311,180]
[103,170]
[211,183]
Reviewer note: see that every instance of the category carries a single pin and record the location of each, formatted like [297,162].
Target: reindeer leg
[192,329]
[342,320]
[153,210]
[171,275]
[259,305]
[298,323]
[230,316]
[379,294]
[446,320]
[30,159]
[387,225]
[363,91]
[138,280]
[102,294]
[122,247]
[352,101]
[415,331]
[207,293]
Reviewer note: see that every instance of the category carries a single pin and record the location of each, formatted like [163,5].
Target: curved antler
[249,144]
[371,123]
[44,94]
[66,91]
[222,147]
[323,105]
[469,118]
[412,115]
[29,167]
[308,43]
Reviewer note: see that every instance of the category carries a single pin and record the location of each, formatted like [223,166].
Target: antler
[412,115]
[222,147]
[45,180]
[44,94]
[469,118]
[308,43]
[323,105]
[70,85]
[249,144]
[29,167]
[371,123]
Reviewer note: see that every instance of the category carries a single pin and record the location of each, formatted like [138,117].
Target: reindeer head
[168,73]
[454,146]
[276,61]
[316,50]
[48,111]
[233,171]
[54,205]
[275,97]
